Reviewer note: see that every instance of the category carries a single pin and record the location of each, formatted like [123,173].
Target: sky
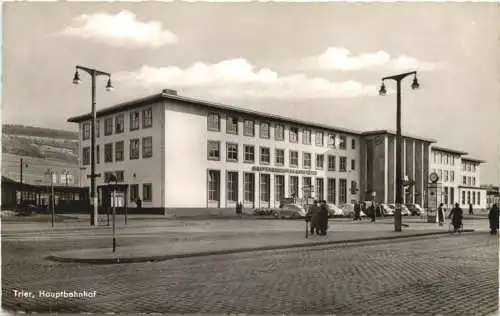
[320,62]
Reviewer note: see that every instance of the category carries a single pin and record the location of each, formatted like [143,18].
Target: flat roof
[453,151]
[473,159]
[391,132]
[213,105]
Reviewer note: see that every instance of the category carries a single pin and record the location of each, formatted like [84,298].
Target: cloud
[120,30]
[335,58]
[237,78]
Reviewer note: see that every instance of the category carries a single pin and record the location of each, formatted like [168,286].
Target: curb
[117,260]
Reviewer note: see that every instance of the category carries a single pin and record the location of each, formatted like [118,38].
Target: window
[232,125]
[452,176]
[119,149]
[280,156]
[147,192]
[331,140]
[147,147]
[294,134]
[249,128]
[119,124]
[213,185]
[307,160]
[97,128]
[213,121]
[469,181]
[107,177]
[134,120]
[319,189]
[319,138]
[232,186]
[134,192]
[120,176]
[468,197]
[293,186]
[434,157]
[86,155]
[86,130]
[342,164]
[473,198]
[342,143]
[249,187]
[134,149]
[441,175]
[353,143]
[446,175]
[265,155]
[279,181]
[232,152]
[464,180]
[249,153]
[330,191]
[331,163]
[478,198]
[468,167]
[353,164]
[474,168]
[306,137]
[342,191]
[294,158]
[264,130]
[279,132]
[463,197]
[320,161]
[108,152]
[307,186]
[147,118]
[97,154]
[213,150]
[108,126]
[445,195]
[473,181]
[265,187]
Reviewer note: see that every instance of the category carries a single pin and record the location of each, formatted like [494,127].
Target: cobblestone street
[418,275]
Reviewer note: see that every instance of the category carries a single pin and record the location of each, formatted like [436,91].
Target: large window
[330,191]
[307,186]
[478,198]
[108,126]
[279,132]
[232,186]
[134,120]
[119,123]
[294,158]
[306,136]
[320,189]
[264,130]
[473,181]
[86,155]
[213,185]
[147,118]
[265,155]
[249,187]
[232,125]
[468,197]
[293,186]
[265,187]
[119,148]
[86,130]
[342,142]
[279,191]
[249,128]
[464,180]
[280,157]
[320,161]
[213,121]
[134,149]
[134,192]
[307,160]
[452,176]
[319,138]
[232,152]
[108,152]
[213,150]
[147,147]
[463,197]
[342,191]
[445,176]
[294,134]
[120,176]
[332,140]
[249,153]
[342,164]
[445,195]
[473,198]
[147,192]
[353,164]
[97,154]
[331,163]
[353,143]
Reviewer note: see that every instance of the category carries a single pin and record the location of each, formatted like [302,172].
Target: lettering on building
[284,170]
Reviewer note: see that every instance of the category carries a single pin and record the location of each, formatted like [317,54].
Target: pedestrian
[139,203]
[493,218]
[363,209]
[357,211]
[313,215]
[471,210]
[373,212]
[323,218]
[440,214]
[456,216]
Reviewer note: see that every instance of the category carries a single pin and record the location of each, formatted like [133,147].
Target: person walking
[440,214]
[471,210]
[357,211]
[493,218]
[373,212]
[323,218]
[456,216]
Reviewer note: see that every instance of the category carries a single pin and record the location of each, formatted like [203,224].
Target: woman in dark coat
[323,218]
[493,218]
[440,215]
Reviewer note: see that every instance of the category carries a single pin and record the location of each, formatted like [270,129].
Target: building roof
[448,150]
[219,106]
[391,132]
[473,159]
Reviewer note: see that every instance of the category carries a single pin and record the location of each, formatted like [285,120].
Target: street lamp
[93,186]
[399,141]
[112,178]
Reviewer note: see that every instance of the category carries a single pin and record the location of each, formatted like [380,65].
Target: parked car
[290,211]
[334,210]
[415,209]
[404,210]
[387,209]
[348,210]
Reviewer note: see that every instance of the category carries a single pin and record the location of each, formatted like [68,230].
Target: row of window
[467,166]
[147,188]
[445,175]
[232,127]
[474,201]
[443,158]
[470,181]
[249,178]
[119,149]
[232,155]
[119,123]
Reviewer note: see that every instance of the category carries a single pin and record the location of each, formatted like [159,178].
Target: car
[387,209]
[404,210]
[334,210]
[415,209]
[291,211]
[348,210]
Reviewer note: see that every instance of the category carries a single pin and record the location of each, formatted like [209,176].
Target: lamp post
[112,178]
[93,187]
[399,141]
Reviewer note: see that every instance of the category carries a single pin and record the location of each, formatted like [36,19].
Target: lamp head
[415,85]
[109,86]
[76,78]
[382,90]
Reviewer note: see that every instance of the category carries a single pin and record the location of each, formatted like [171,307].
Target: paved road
[417,276]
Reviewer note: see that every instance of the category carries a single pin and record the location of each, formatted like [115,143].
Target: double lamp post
[399,141]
